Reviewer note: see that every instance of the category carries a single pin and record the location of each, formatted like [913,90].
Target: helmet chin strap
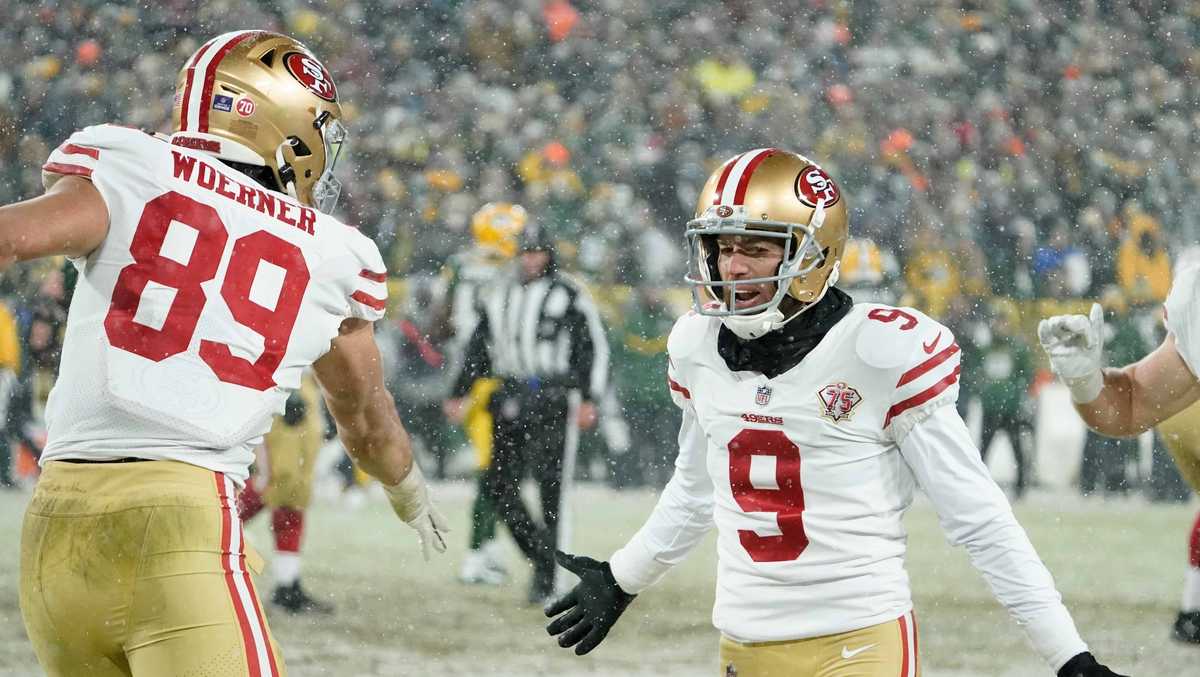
[750,327]
[281,166]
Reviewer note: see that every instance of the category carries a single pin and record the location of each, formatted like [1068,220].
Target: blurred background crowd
[1000,158]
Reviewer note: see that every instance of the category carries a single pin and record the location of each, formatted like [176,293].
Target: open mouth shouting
[752,295]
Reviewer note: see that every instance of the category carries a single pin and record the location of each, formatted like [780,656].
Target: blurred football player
[495,230]
[808,421]
[288,461]
[210,277]
[868,271]
[1126,401]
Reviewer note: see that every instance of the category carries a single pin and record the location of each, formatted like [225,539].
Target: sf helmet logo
[310,73]
[813,184]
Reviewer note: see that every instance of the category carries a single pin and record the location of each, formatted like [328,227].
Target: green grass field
[1119,565]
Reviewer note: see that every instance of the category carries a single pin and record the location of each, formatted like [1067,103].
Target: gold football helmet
[767,193]
[497,226]
[263,99]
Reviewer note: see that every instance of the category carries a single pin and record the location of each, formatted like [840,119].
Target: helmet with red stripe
[262,99]
[776,194]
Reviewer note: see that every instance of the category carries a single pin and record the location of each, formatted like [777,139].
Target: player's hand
[590,609]
[1085,665]
[587,415]
[1075,344]
[410,499]
[455,410]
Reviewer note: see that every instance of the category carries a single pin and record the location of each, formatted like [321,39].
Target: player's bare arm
[70,218]
[1139,396]
[352,380]
[1124,401]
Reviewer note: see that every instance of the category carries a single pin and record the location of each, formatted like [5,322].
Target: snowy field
[1118,563]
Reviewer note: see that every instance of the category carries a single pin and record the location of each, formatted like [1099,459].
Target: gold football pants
[139,569]
[884,650]
[1181,433]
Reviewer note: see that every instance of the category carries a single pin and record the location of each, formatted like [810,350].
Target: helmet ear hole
[300,148]
[268,59]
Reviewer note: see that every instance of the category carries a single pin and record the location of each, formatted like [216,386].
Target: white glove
[410,499]
[1075,344]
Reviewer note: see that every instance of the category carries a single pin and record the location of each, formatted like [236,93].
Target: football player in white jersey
[1126,401]
[808,421]
[210,277]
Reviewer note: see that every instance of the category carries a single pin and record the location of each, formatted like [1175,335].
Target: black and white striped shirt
[546,329]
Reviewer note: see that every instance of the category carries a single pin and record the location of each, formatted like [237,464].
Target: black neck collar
[784,348]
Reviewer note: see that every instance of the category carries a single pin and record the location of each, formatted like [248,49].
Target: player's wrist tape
[1086,388]
[408,498]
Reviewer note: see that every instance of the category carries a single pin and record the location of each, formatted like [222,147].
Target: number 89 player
[210,278]
[808,421]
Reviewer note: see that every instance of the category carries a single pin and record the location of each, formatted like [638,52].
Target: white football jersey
[1182,315]
[199,312]
[807,476]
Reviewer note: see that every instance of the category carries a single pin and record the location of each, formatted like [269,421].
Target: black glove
[591,608]
[1085,665]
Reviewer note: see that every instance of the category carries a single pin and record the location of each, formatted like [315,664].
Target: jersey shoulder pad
[1180,313]
[888,336]
[81,153]
[688,334]
[919,359]
[368,287]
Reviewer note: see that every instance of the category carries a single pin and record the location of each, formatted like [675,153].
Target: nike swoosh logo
[847,653]
[932,344]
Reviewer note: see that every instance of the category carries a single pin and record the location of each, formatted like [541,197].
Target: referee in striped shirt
[539,333]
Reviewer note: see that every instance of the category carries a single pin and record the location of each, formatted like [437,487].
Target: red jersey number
[787,501]
[887,315]
[183,315]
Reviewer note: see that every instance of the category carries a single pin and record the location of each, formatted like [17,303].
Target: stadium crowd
[990,150]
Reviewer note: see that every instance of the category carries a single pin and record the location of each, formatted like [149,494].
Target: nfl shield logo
[762,396]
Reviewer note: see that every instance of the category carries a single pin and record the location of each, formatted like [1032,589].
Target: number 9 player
[211,277]
[808,421]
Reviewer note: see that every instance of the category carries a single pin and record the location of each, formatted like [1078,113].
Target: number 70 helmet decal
[776,194]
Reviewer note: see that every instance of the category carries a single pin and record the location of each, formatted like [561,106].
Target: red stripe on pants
[916,648]
[226,553]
